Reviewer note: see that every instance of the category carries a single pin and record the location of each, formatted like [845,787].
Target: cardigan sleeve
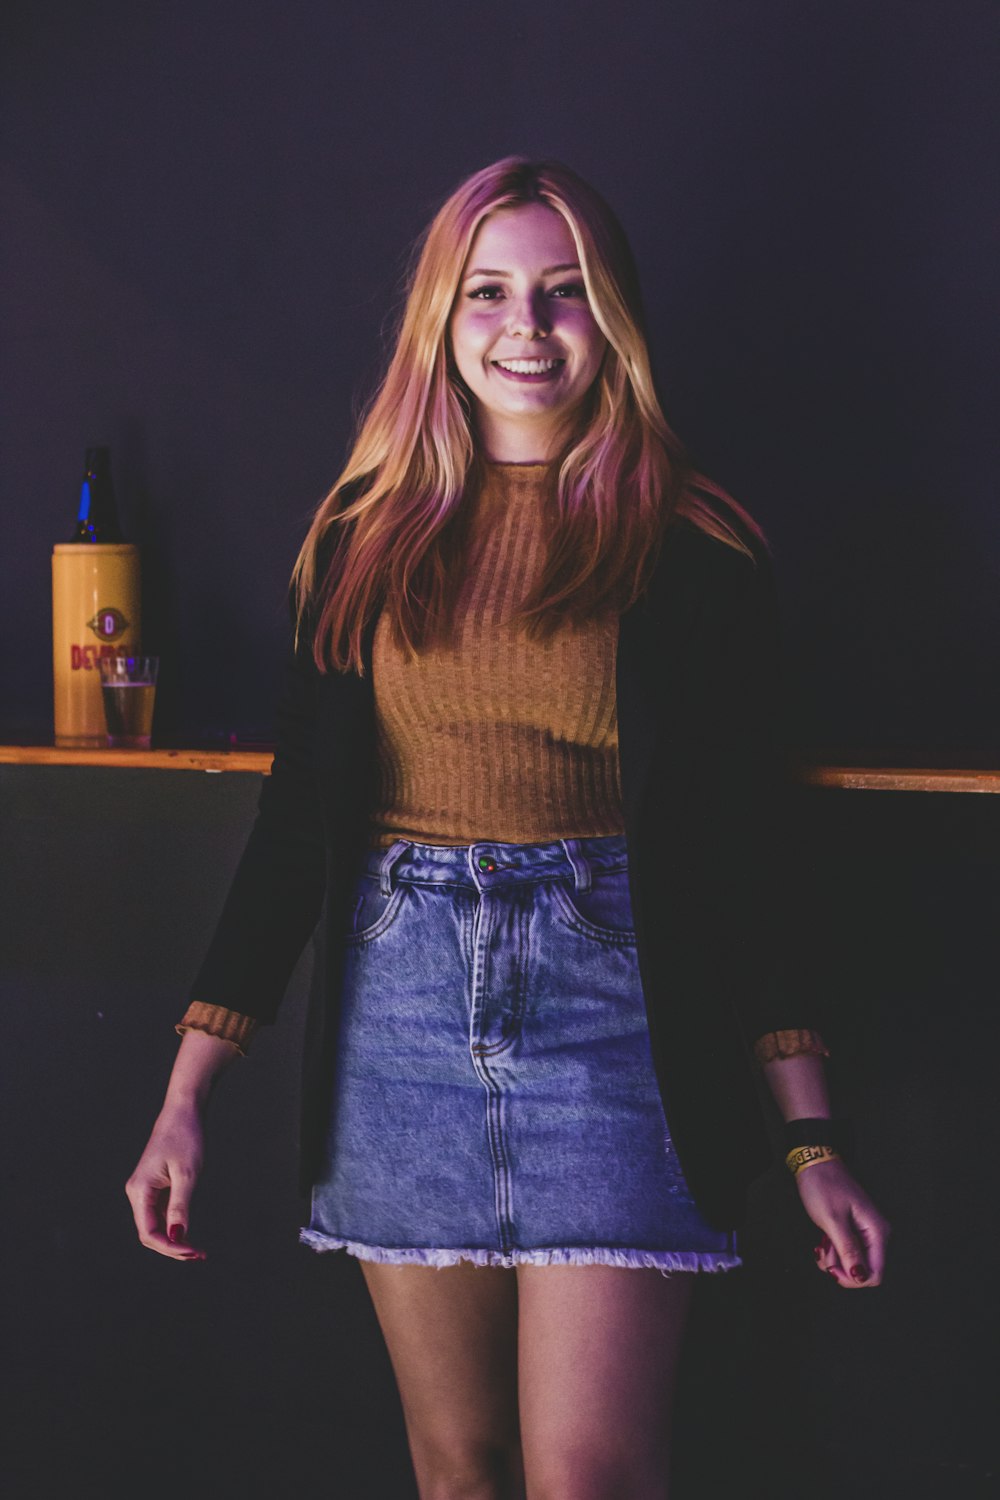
[759,862]
[276,895]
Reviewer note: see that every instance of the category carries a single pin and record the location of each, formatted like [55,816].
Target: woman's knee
[459,1468]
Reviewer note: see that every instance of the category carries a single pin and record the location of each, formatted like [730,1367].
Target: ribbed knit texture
[230,1025]
[775,1044]
[496,736]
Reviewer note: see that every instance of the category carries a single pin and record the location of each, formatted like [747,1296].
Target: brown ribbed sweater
[495,736]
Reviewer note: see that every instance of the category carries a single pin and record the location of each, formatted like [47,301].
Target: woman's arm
[854,1232]
[743,724]
[799,1087]
[272,907]
[165,1177]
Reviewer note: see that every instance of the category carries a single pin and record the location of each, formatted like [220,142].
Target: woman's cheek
[480,323]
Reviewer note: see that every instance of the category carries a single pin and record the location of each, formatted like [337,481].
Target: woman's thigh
[451,1333]
[598,1354]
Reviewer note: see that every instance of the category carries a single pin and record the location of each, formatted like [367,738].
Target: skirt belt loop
[385,868]
[579,862]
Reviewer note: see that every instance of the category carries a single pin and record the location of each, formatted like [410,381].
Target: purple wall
[208,210]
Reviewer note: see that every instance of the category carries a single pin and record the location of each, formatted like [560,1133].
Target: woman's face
[522,298]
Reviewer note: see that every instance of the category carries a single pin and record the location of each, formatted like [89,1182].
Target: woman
[529,769]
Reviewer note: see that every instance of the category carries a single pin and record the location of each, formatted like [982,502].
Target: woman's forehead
[528,230]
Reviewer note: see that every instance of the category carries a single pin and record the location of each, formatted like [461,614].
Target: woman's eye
[565,289]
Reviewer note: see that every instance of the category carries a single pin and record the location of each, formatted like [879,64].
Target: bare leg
[598,1354]
[451,1333]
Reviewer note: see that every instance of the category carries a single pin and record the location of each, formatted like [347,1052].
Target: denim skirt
[494,1098]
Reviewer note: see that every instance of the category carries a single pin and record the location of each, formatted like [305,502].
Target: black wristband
[811,1132]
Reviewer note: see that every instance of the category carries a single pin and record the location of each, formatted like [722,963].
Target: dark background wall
[208,208]
[207,214]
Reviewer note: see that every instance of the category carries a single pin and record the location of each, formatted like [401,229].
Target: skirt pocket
[372,912]
[603,912]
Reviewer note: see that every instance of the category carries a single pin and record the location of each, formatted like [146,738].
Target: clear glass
[128,687]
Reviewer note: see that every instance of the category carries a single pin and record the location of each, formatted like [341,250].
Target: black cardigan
[718,886]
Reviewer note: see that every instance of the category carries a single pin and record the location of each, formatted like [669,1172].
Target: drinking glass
[128,687]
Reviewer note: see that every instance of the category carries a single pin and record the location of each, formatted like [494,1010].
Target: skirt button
[485,863]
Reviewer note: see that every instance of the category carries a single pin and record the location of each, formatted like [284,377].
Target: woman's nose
[526,316]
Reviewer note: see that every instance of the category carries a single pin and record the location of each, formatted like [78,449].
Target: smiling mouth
[528,369]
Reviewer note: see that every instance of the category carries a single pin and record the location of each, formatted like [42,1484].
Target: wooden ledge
[900,779]
[258,762]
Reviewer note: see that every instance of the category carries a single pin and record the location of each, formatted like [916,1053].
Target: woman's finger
[178,1214]
[875,1230]
[851,1253]
[825,1254]
[827,1262]
[147,1210]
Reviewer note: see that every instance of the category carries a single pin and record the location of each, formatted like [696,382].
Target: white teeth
[528,366]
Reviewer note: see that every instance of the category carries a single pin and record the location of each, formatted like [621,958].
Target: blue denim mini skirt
[494,1097]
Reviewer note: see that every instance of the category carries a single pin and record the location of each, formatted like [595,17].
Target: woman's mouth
[529,371]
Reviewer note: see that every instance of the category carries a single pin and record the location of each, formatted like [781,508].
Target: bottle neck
[97,517]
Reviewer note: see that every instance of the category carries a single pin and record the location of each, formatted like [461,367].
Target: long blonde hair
[391,529]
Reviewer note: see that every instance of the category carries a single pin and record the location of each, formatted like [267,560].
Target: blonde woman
[530,784]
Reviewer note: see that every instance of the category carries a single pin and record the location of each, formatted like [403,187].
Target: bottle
[97,518]
[95,606]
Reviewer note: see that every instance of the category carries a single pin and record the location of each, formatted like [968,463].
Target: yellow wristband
[808,1156]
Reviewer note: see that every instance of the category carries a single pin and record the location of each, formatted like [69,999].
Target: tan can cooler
[95,613]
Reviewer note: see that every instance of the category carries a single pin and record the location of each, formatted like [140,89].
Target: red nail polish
[859,1273]
[176,1234]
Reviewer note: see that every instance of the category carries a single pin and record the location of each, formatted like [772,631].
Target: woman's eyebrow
[549,270]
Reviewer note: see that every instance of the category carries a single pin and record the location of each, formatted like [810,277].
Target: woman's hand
[161,1186]
[854,1232]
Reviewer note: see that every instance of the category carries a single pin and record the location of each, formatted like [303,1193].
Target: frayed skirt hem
[597,1255]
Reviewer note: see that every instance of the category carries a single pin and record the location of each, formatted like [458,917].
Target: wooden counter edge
[900,779]
[258,762]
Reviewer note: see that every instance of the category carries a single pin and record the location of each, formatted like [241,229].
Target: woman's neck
[512,442]
[519,463]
